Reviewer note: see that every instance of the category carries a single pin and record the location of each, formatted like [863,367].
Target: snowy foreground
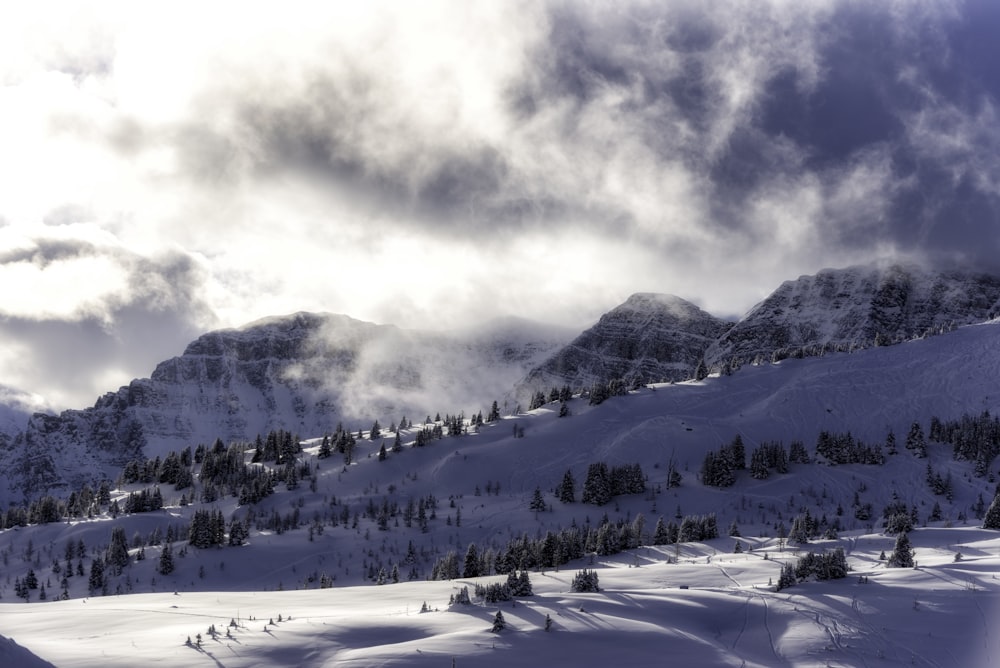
[942,613]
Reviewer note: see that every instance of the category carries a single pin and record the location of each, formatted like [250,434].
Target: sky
[170,169]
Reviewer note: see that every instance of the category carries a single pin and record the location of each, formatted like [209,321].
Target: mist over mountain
[853,457]
[303,373]
[306,373]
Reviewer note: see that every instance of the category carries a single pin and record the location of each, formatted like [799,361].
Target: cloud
[80,313]
[190,165]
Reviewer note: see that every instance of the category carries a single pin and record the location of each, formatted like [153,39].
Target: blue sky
[169,170]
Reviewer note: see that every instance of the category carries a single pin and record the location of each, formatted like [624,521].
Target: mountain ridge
[306,372]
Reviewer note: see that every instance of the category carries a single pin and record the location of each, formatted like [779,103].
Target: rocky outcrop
[649,338]
[858,307]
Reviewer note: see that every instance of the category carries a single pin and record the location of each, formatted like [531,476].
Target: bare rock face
[303,373]
[649,338]
[858,307]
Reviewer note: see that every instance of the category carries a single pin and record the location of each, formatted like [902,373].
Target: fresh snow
[940,614]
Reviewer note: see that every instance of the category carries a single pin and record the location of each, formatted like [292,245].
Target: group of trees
[517,585]
[845,449]
[604,483]
[539,399]
[717,469]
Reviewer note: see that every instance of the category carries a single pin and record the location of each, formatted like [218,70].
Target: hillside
[303,373]
[387,522]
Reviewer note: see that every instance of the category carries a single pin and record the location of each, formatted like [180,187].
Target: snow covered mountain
[701,599]
[841,309]
[649,338]
[302,373]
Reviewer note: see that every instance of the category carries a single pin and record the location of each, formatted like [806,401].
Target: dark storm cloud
[521,155]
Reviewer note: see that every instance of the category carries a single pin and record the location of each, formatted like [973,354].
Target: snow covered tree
[585,581]
[116,556]
[96,580]
[902,553]
[519,584]
[566,492]
[661,534]
[787,577]
[325,449]
[537,504]
[471,567]
[166,563]
[992,518]
[915,440]
[499,623]
[597,486]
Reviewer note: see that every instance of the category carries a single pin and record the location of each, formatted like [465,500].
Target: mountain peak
[859,306]
[650,337]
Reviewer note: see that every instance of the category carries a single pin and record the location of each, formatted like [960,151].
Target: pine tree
[992,518]
[585,581]
[325,449]
[567,489]
[597,486]
[660,534]
[166,563]
[537,504]
[902,553]
[499,623]
[787,577]
[117,552]
[471,568]
[96,580]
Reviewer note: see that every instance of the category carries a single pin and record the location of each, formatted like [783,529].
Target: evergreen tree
[597,486]
[660,534]
[787,577]
[166,563]
[915,440]
[992,518]
[117,552]
[537,504]
[585,581]
[96,580]
[902,553]
[325,449]
[471,568]
[499,623]
[567,488]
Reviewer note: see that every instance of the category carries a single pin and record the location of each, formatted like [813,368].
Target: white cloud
[384,159]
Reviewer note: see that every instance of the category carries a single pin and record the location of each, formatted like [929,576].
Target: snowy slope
[940,614]
[943,614]
[303,373]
